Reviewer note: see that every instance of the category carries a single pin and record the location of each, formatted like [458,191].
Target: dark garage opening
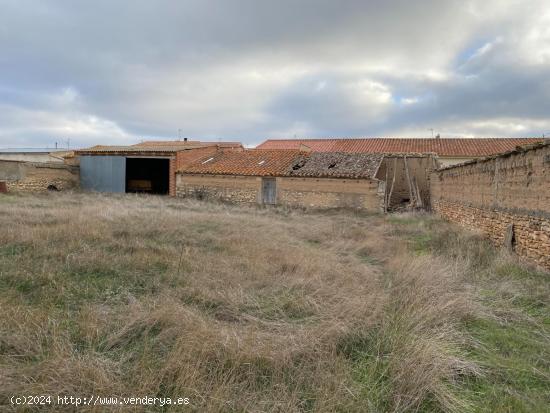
[149,175]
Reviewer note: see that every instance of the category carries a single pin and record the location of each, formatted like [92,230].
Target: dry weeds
[239,309]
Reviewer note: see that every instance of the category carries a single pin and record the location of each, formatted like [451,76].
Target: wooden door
[269,191]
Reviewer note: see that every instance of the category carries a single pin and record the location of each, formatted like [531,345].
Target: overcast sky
[117,72]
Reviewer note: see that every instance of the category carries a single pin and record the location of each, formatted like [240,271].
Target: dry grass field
[263,310]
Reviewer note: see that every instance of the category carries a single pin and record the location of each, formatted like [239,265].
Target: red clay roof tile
[255,162]
[178,143]
[451,147]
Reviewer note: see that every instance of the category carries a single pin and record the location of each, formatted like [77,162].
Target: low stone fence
[35,177]
[529,233]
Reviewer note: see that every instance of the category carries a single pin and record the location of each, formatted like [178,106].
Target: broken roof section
[339,165]
[265,162]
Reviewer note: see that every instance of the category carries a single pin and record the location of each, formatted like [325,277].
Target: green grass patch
[520,272]
[14,249]
[516,358]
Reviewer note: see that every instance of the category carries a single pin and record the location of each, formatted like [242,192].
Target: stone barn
[285,177]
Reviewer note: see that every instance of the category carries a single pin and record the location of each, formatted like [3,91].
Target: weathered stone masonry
[296,192]
[493,194]
[234,189]
[29,176]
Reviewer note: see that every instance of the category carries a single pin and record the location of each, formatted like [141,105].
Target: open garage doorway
[148,175]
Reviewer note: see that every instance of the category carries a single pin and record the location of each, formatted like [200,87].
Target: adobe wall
[291,191]
[329,193]
[490,195]
[30,177]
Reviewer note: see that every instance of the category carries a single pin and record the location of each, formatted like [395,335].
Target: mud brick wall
[329,193]
[37,177]
[491,195]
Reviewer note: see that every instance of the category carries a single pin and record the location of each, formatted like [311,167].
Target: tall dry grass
[239,309]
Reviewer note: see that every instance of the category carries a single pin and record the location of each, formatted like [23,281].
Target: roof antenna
[179,134]
[432,129]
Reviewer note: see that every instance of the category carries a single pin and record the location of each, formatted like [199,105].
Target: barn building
[148,167]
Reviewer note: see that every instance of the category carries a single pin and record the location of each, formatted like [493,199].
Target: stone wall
[498,193]
[227,188]
[291,191]
[28,176]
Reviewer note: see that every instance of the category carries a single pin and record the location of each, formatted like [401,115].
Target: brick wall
[172,177]
[493,194]
[27,176]
[300,192]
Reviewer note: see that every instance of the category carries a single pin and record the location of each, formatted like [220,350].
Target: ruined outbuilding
[285,177]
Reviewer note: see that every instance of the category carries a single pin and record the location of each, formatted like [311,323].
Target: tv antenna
[432,129]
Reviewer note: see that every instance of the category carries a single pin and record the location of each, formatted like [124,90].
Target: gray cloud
[114,72]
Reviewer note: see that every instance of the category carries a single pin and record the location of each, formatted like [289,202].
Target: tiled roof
[184,158]
[452,147]
[255,162]
[284,162]
[519,149]
[135,149]
[339,165]
[158,147]
[185,144]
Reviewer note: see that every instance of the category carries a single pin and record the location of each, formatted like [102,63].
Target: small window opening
[332,165]
[52,188]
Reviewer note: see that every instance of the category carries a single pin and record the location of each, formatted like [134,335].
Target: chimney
[185,139]
[438,136]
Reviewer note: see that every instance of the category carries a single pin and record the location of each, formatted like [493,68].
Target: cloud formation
[118,72]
